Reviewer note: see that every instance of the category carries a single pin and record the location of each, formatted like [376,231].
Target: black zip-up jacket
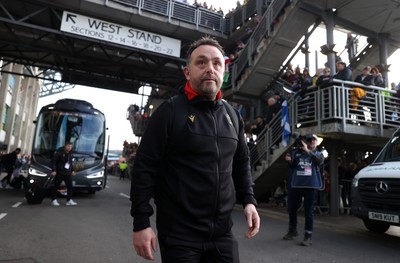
[60,158]
[196,165]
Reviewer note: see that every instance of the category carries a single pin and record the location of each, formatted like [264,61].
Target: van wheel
[377,227]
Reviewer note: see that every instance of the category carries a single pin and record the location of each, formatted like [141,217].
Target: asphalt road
[99,230]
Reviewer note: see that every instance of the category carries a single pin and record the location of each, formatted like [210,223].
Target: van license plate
[383,217]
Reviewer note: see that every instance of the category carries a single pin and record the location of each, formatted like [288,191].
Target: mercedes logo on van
[381,187]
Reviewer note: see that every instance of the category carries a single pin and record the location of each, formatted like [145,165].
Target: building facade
[19,97]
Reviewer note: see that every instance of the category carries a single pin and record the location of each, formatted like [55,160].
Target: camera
[297,140]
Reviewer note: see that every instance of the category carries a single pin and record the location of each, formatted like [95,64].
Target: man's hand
[253,220]
[73,173]
[304,146]
[144,241]
[53,174]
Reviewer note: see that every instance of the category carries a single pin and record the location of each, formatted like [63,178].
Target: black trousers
[219,250]
[7,178]
[57,181]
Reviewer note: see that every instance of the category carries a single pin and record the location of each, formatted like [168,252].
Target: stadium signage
[102,30]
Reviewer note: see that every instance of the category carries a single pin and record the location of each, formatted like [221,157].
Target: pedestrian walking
[62,171]
[194,160]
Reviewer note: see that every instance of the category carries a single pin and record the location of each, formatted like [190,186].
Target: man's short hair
[206,40]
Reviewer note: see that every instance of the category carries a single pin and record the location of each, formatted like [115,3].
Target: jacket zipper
[217,175]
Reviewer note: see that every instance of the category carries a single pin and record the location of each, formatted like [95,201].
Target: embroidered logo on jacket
[191,118]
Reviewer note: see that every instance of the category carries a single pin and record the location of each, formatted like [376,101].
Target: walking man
[194,160]
[62,171]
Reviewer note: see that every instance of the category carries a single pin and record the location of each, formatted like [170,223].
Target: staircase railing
[262,31]
[334,103]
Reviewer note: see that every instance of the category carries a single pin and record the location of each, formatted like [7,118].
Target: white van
[376,189]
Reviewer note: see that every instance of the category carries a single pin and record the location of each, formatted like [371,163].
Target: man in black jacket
[194,160]
[62,171]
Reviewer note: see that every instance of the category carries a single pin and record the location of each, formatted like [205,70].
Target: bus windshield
[85,131]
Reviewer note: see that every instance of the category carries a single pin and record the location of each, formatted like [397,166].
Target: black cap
[311,136]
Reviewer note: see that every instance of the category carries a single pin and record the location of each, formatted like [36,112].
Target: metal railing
[263,30]
[201,17]
[378,110]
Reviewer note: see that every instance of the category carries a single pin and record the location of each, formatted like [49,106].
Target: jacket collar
[191,94]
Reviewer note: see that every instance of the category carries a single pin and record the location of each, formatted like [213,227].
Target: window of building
[4,119]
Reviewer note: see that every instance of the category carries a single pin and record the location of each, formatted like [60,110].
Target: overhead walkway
[55,35]
[279,32]
[271,43]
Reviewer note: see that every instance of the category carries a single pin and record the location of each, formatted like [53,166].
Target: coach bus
[74,121]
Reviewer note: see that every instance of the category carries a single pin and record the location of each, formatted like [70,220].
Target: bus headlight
[95,175]
[35,172]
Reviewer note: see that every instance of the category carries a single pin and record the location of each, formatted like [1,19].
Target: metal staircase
[328,112]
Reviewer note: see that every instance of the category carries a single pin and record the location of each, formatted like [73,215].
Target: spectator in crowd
[365,77]
[129,153]
[301,82]
[227,78]
[8,161]
[240,46]
[342,71]
[176,164]
[274,105]
[325,78]
[318,73]
[393,86]
[377,77]
[258,126]
[306,77]
[238,5]
[280,194]
[344,190]
[289,76]
[197,4]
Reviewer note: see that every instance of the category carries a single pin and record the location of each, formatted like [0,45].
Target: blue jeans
[295,198]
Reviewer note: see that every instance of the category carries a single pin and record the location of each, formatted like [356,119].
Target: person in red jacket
[194,160]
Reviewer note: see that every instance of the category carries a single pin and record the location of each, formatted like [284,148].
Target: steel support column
[331,55]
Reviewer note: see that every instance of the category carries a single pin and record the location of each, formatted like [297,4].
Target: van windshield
[391,152]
